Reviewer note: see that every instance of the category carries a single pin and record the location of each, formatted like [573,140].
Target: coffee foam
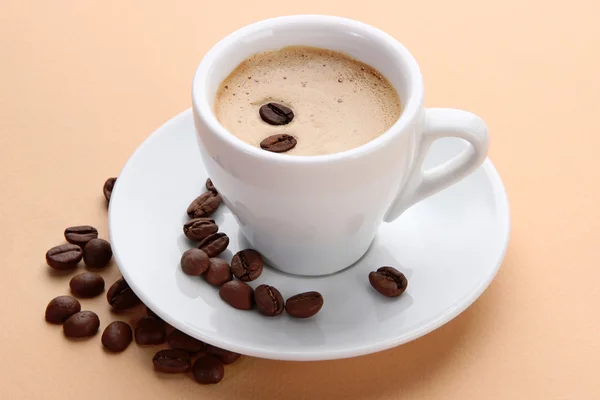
[339,103]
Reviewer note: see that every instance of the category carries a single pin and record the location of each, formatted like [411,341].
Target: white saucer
[449,246]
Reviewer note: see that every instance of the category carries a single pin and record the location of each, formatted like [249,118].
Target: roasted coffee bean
[388,281]
[247,265]
[199,228]
[279,143]
[218,272]
[304,305]
[172,361]
[108,188]
[60,308]
[208,369]
[226,356]
[149,331]
[204,205]
[276,114]
[194,262]
[117,336]
[181,341]
[268,300]
[214,244]
[87,284]
[63,257]
[237,294]
[210,186]
[81,234]
[121,297]
[97,253]
[81,324]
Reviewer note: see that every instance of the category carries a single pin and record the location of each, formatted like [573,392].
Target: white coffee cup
[315,215]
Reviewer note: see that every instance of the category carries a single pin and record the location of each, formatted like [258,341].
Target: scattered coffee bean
[150,331]
[214,244]
[97,253]
[117,336]
[279,143]
[181,341]
[226,356]
[194,262]
[268,300]
[237,294]
[87,284]
[81,324]
[60,308]
[108,188]
[81,234]
[204,205]
[121,297]
[276,114]
[172,361]
[388,281]
[207,370]
[304,305]
[199,228]
[63,257]
[218,272]
[210,186]
[247,265]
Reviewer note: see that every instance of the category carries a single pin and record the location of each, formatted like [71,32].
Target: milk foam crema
[339,103]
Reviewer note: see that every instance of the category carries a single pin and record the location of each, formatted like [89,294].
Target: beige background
[84,82]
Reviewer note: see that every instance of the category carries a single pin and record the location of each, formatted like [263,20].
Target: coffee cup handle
[442,123]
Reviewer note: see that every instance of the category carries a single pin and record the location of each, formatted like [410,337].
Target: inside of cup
[360,41]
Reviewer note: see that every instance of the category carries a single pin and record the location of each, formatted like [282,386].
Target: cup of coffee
[313,130]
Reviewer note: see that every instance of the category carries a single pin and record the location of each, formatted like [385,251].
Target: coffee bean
[199,228]
[276,114]
[268,300]
[304,305]
[194,262]
[388,281]
[108,188]
[117,336]
[81,324]
[150,331]
[60,308]
[237,294]
[247,265]
[214,244]
[218,272]
[181,341]
[63,257]
[121,297]
[210,186]
[207,370]
[97,253]
[226,356]
[204,205]
[87,284]
[279,143]
[172,361]
[81,234]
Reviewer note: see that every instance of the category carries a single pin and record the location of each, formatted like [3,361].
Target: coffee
[81,324]
[388,281]
[97,253]
[60,308]
[117,336]
[87,284]
[327,101]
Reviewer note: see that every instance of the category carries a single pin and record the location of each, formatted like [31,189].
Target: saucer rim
[503,217]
